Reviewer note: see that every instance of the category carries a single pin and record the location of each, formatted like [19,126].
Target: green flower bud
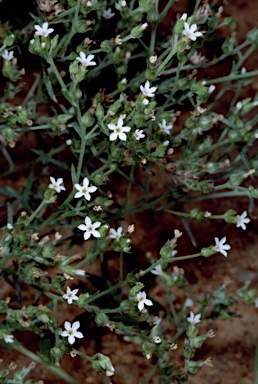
[87,119]
[100,112]
[56,354]
[54,42]
[207,252]
[179,26]
[101,319]
[74,67]
[136,32]
[9,40]
[146,349]
[83,298]
[136,289]
[125,306]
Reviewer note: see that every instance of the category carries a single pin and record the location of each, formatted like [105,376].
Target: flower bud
[136,32]
[9,40]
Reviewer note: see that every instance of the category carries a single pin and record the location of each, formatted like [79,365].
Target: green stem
[56,370]
[40,207]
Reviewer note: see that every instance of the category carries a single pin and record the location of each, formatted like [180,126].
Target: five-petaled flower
[84,189]
[44,30]
[141,297]
[71,331]
[242,220]
[221,247]
[71,295]
[86,61]
[119,130]
[194,319]
[56,184]
[108,14]
[115,234]
[8,56]
[8,339]
[146,90]
[138,134]
[190,31]
[90,228]
[164,127]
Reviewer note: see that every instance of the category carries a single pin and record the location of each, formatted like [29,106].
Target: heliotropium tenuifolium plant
[108,99]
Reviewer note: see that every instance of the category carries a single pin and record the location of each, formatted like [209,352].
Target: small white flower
[32,41]
[84,189]
[71,331]
[189,302]
[123,3]
[194,319]
[108,14]
[56,184]
[145,101]
[221,247]
[8,56]
[174,252]
[157,270]
[119,130]
[138,134]
[44,30]
[79,272]
[211,88]
[8,339]
[184,16]
[90,228]
[190,31]
[115,234]
[141,297]
[242,220]
[86,61]
[9,226]
[146,90]
[71,295]
[68,142]
[43,45]
[164,127]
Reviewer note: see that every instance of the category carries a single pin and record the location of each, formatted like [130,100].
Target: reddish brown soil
[233,349]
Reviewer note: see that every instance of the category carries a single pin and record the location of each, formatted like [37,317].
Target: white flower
[84,189]
[56,184]
[108,14]
[8,339]
[194,319]
[138,134]
[189,31]
[184,16]
[123,3]
[68,142]
[9,226]
[71,295]
[44,30]
[90,228]
[145,101]
[242,220]
[164,127]
[119,130]
[86,61]
[115,234]
[157,270]
[211,88]
[174,252]
[141,297]
[189,302]
[221,247]
[146,90]
[8,56]
[79,272]
[71,331]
